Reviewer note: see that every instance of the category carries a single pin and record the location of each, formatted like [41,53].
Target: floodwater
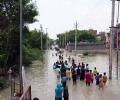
[42,78]
[5,94]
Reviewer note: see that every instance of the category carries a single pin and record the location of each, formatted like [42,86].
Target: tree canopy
[69,37]
[9,33]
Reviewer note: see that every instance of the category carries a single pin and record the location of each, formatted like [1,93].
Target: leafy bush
[30,55]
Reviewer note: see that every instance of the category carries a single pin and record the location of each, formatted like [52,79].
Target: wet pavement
[43,80]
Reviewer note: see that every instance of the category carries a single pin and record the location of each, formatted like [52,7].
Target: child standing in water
[92,76]
[104,78]
[101,84]
[97,79]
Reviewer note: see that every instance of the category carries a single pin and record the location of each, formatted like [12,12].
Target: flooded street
[5,94]
[43,80]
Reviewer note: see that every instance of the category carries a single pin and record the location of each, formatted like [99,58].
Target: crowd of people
[69,70]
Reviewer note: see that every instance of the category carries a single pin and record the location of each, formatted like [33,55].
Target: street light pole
[76,26]
[21,33]
[41,36]
[111,39]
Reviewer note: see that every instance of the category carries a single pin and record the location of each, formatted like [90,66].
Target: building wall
[115,39]
[115,31]
[93,32]
[103,37]
[86,46]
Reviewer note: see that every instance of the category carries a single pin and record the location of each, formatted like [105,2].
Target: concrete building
[102,37]
[115,31]
[93,32]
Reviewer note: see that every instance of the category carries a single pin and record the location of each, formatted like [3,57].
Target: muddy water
[42,78]
[5,94]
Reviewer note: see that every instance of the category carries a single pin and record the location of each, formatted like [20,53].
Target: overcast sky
[60,15]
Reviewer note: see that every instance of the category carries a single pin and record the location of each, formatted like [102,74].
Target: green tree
[9,29]
[82,35]
[32,45]
[85,35]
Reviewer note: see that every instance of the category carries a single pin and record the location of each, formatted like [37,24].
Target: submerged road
[42,78]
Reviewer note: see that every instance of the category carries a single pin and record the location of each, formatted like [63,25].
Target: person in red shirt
[92,76]
[87,78]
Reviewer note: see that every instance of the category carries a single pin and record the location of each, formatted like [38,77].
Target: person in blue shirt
[58,92]
[64,80]
[97,79]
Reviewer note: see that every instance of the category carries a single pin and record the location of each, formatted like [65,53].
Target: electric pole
[117,52]
[41,36]
[21,33]
[46,39]
[65,40]
[76,26]
[111,39]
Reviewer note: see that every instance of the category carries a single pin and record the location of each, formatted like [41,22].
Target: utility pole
[21,33]
[47,39]
[117,52]
[65,40]
[76,26]
[111,39]
[41,36]
[61,40]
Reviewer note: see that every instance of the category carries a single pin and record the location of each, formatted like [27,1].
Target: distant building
[115,31]
[93,32]
[102,37]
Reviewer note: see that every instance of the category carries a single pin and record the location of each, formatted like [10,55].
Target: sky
[60,15]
